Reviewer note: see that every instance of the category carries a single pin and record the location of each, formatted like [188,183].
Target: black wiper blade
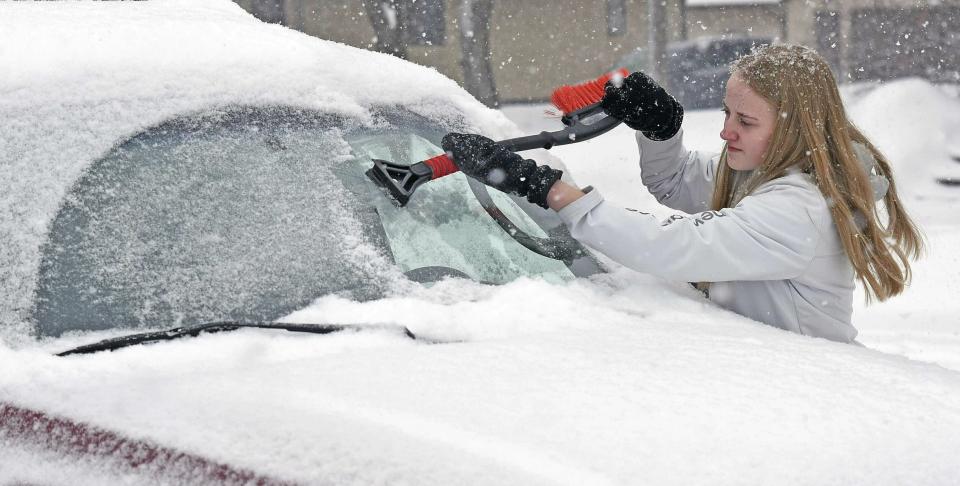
[213,327]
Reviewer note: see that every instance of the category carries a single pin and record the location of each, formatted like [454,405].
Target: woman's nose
[728,135]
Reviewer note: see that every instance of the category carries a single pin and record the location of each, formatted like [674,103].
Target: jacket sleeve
[768,236]
[679,178]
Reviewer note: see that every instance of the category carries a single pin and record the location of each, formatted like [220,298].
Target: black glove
[482,159]
[644,106]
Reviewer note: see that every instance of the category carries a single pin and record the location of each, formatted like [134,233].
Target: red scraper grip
[441,165]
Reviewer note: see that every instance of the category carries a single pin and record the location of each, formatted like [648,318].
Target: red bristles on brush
[570,98]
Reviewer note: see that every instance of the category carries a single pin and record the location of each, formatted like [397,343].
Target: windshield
[444,224]
[250,214]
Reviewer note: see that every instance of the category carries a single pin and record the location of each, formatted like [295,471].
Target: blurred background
[507,51]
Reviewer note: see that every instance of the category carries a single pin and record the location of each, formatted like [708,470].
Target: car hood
[612,384]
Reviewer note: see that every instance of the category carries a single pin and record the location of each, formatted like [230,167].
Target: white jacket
[776,257]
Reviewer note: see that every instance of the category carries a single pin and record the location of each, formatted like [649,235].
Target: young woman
[776,228]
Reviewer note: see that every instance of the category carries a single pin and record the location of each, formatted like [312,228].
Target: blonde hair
[813,135]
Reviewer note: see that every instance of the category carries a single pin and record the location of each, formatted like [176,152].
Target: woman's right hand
[643,105]
[492,164]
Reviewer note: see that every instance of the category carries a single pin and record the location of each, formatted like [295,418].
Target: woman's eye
[745,123]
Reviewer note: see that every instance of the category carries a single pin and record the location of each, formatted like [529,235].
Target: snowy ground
[917,126]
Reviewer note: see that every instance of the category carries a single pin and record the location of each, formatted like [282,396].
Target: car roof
[90,75]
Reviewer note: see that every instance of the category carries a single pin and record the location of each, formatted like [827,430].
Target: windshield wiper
[213,327]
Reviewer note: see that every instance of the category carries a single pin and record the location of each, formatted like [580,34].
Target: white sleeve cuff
[643,140]
[576,210]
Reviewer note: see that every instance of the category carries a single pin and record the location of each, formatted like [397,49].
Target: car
[173,163]
[144,197]
[227,207]
[697,69]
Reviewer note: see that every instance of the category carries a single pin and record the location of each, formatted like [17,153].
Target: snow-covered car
[244,199]
[173,162]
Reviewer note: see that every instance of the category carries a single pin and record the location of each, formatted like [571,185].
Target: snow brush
[582,115]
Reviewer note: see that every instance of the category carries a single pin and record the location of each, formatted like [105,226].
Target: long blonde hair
[812,134]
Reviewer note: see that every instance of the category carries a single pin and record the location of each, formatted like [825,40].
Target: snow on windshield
[234,215]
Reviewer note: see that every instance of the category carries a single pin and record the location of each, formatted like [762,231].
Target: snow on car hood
[608,382]
[79,78]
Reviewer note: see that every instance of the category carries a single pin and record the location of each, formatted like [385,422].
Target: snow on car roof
[78,78]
